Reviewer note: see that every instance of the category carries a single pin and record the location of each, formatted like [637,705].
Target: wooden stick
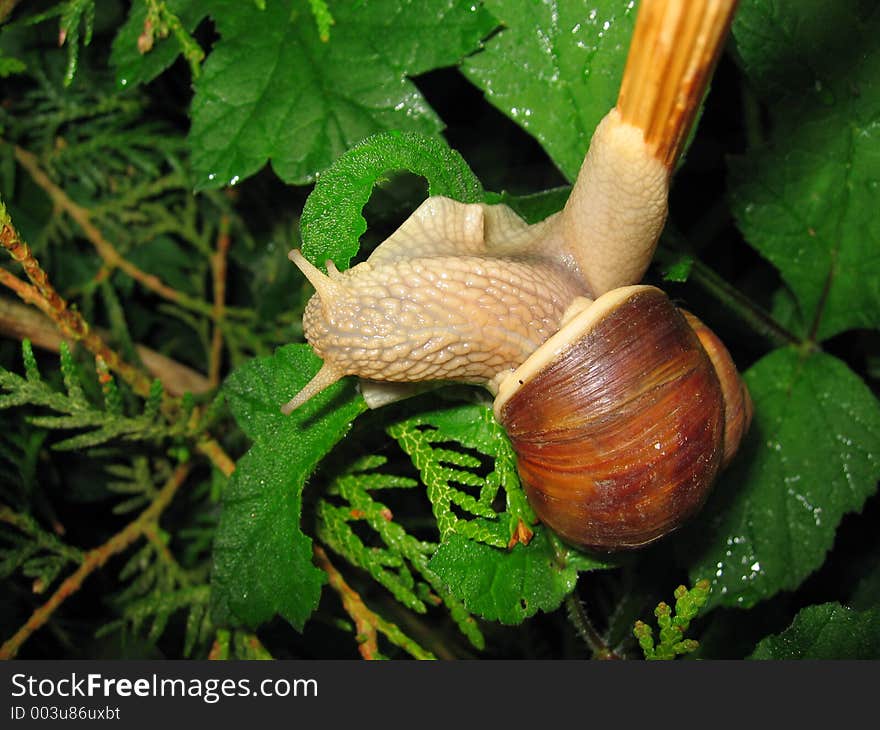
[674,49]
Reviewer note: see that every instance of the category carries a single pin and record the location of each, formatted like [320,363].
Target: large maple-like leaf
[807,197]
[271,89]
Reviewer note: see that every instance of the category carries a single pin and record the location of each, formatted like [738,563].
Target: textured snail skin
[455,317]
[460,292]
[617,208]
[628,447]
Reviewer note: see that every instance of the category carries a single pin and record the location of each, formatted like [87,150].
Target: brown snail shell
[737,401]
[629,444]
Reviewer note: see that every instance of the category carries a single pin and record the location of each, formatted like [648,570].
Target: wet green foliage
[175,128]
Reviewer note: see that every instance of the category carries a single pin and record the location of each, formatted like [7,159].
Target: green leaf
[473,559]
[332,222]
[134,67]
[76,16]
[395,559]
[812,455]
[866,594]
[461,491]
[284,94]
[806,199]
[673,625]
[827,631]
[262,560]
[77,412]
[555,69]
[535,207]
[677,268]
[509,586]
[10,66]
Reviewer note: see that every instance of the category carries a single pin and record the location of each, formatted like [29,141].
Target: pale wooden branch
[22,322]
[673,51]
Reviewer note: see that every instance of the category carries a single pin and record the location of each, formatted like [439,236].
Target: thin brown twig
[578,616]
[365,620]
[75,327]
[219,270]
[216,455]
[24,290]
[95,559]
[367,623]
[112,258]
[70,322]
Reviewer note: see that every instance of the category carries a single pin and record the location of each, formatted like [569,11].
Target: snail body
[465,301]
[621,408]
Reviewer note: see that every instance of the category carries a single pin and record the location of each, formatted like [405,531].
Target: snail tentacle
[327,286]
[324,378]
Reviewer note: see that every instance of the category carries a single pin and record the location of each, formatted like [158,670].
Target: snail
[621,408]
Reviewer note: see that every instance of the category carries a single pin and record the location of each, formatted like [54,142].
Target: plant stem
[367,623]
[70,322]
[170,23]
[217,456]
[95,559]
[578,617]
[757,318]
[219,269]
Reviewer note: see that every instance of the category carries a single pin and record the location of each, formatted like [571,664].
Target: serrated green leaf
[555,69]
[806,199]
[332,222]
[132,66]
[827,631]
[262,560]
[507,585]
[282,94]
[812,455]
